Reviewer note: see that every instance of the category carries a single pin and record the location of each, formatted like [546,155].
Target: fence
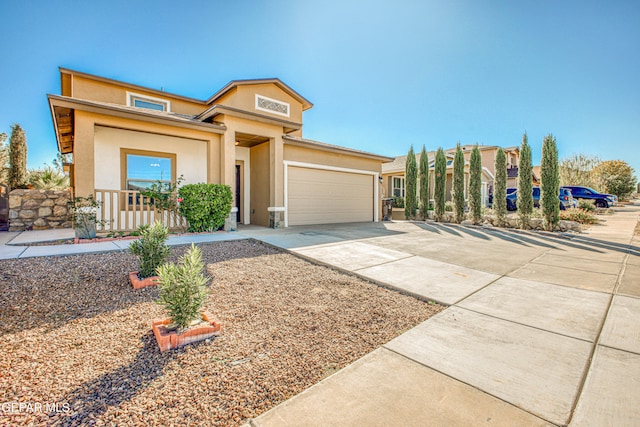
[124,210]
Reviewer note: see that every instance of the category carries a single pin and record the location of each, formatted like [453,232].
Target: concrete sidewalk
[541,330]
[16,244]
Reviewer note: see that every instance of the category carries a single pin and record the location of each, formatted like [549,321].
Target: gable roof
[279,83]
[306,104]
[63,112]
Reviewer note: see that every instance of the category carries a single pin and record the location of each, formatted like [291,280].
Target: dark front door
[238,193]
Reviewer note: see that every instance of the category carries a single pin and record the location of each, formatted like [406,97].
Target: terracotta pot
[138,283]
[168,340]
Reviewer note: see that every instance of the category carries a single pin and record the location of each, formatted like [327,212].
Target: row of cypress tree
[550,185]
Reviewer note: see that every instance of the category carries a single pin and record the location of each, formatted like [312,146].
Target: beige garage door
[317,196]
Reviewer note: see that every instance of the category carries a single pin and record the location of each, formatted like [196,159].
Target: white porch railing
[124,210]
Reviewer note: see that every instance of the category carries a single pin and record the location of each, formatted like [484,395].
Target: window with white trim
[398,186]
[148,102]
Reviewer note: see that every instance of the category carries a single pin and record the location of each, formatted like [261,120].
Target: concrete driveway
[541,329]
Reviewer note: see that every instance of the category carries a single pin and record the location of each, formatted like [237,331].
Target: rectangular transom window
[271,105]
[398,186]
[141,169]
[143,101]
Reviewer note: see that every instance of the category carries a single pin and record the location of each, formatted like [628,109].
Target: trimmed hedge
[205,206]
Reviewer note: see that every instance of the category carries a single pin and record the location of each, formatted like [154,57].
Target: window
[141,169]
[142,101]
[398,186]
[272,105]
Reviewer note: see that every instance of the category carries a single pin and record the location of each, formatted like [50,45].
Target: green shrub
[424,183]
[475,185]
[578,215]
[164,196]
[84,211]
[398,202]
[440,184]
[205,206]
[549,183]
[449,206]
[500,188]
[411,178]
[151,248]
[458,185]
[586,205]
[48,179]
[183,288]
[525,184]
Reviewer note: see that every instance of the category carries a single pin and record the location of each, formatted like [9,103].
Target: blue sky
[382,75]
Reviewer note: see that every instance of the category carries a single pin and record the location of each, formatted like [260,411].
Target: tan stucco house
[393,173]
[248,135]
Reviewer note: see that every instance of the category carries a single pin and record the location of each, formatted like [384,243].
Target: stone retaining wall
[38,210]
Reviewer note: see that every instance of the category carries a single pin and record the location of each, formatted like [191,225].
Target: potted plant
[84,211]
[152,251]
[183,292]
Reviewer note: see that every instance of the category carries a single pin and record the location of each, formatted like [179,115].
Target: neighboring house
[393,173]
[248,135]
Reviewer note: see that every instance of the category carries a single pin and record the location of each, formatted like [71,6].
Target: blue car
[565,198]
[599,199]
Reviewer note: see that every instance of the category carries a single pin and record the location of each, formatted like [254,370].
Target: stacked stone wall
[38,209]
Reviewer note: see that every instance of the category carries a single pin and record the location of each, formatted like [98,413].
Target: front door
[238,193]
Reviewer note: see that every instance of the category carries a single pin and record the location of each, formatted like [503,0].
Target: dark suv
[564,197]
[599,199]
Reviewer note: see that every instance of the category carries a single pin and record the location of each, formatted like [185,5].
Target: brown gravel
[74,332]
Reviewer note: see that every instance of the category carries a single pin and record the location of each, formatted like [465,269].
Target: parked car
[565,199]
[601,200]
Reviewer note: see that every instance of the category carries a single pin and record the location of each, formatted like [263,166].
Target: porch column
[276,181]
[228,172]
[84,156]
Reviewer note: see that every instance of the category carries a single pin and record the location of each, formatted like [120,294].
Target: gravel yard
[74,332]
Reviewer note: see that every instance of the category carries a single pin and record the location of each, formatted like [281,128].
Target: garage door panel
[317,196]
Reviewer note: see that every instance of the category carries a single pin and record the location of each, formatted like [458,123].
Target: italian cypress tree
[424,183]
[525,185]
[475,185]
[550,183]
[458,184]
[440,185]
[411,177]
[500,188]
[17,157]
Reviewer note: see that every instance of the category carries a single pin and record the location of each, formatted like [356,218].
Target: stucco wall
[308,155]
[85,88]
[38,209]
[191,155]
[244,98]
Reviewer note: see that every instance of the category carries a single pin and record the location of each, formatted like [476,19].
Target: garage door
[317,196]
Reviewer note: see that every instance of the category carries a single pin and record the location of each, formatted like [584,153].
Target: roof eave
[160,93]
[333,148]
[59,102]
[218,109]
